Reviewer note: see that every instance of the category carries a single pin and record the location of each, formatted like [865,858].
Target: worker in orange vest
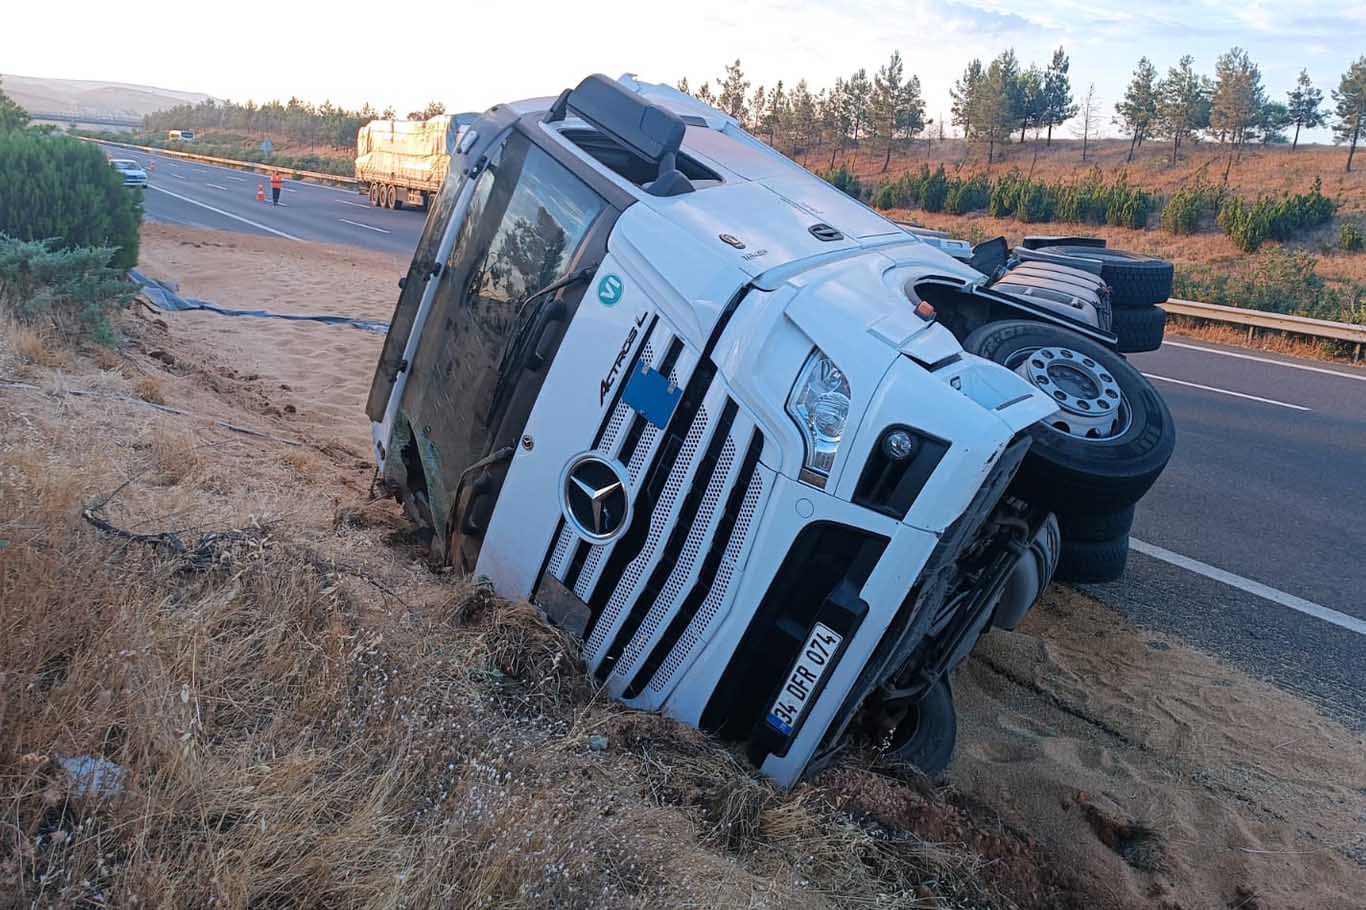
[277,183]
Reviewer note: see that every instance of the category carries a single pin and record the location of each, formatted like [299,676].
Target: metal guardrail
[1260,319]
[230,162]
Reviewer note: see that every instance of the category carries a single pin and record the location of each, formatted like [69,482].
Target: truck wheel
[1139,329]
[1135,280]
[390,194]
[1092,561]
[926,735]
[374,194]
[1112,433]
[1094,526]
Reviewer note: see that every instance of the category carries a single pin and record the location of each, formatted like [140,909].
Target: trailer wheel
[389,196]
[374,194]
[1112,433]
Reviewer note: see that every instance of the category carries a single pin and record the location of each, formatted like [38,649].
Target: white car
[132,172]
[777,462]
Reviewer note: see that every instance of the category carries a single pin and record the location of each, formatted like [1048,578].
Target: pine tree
[802,118]
[1057,89]
[1349,99]
[1236,105]
[758,107]
[886,103]
[859,91]
[704,94]
[1031,101]
[1304,106]
[1272,123]
[683,86]
[1183,103]
[734,87]
[967,97]
[12,116]
[1138,111]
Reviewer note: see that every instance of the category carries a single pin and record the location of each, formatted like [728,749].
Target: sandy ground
[319,375]
[1156,774]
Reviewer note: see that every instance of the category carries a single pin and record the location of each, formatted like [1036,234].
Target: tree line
[994,102]
[306,123]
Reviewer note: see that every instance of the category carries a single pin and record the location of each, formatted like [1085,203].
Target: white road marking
[1360,377]
[216,186]
[1299,604]
[1210,388]
[359,205]
[238,179]
[177,176]
[226,214]
[366,226]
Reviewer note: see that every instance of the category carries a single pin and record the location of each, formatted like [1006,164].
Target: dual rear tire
[1098,454]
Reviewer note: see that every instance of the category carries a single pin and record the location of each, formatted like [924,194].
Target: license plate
[816,657]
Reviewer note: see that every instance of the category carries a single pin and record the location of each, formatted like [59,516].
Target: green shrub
[72,289]
[889,196]
[1251,224]
[58,188]
[1349,237]
[1279,281]
[843,179]
[1187,209]
[970,195]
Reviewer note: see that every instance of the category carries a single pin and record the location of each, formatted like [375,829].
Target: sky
[470,55]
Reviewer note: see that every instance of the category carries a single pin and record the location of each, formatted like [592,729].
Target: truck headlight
[819,403]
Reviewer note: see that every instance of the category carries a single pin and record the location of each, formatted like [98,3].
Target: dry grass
[149,389]
[35,347]
[305,716]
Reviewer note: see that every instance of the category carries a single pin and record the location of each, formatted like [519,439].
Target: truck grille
[657,592]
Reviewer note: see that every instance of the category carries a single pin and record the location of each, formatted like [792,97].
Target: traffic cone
[261,191]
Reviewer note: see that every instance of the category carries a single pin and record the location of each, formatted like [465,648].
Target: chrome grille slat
[640,459]
[683,575]
[661,522]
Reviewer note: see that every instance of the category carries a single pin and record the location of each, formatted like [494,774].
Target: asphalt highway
[224,199]
[1251,546]
[1267,487]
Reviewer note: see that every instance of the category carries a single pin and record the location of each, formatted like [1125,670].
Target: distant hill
[80,97]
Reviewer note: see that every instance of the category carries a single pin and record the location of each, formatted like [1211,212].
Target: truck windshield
[527,219]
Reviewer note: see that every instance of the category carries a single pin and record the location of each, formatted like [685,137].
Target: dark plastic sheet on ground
[167,299]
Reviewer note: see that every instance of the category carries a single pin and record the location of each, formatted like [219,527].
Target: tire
[926,736]
[1135,280]
[1093,461]
[1095,526]
[1092,562]
[390,195]
[1140,329]
[374,195]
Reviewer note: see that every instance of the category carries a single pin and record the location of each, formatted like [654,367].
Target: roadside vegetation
[68,231]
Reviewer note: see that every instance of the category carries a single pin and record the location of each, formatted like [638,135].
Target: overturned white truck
[777,462]
[404,162]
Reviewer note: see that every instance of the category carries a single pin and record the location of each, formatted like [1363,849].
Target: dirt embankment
[305,713]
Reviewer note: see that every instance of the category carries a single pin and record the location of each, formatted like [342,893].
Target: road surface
[1268,484]
[224,199]
[1252,544]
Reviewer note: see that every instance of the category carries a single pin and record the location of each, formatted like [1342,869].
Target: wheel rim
[1091,405]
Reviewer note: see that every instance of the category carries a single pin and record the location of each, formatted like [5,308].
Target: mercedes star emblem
[595,497]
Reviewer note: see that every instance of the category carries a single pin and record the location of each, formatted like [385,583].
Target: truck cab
[658,379]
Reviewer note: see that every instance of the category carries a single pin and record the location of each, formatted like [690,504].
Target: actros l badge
[595,497]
